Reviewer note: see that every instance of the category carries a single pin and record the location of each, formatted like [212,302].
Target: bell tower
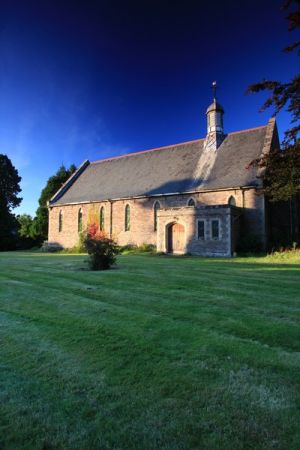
[214,113]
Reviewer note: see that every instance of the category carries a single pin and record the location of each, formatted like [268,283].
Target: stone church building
[197,197]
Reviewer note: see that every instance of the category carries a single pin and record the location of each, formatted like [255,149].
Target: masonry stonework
[142,219]
[188,217]
[206,181]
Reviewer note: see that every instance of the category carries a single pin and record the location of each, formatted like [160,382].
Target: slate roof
[167,170]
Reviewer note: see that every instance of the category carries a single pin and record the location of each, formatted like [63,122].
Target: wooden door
[176,242]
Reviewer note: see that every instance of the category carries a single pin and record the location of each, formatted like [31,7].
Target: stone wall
[142,215]
[188,216]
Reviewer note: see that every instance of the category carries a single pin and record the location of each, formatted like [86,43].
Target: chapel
[199,197]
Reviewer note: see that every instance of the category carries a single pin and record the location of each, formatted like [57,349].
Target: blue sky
[91,79]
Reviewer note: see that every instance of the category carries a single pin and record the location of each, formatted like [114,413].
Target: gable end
[69,182]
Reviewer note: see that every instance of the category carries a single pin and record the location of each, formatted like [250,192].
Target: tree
[54,183]
[282,166]
[285,94]
[26,236]
[282,174]
[25,225]
[9,190]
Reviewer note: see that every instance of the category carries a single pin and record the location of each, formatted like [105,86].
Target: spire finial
[214,88]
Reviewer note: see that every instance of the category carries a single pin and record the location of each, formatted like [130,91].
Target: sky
[98,78]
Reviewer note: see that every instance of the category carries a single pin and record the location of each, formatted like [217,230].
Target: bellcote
[214,115]
[215,130]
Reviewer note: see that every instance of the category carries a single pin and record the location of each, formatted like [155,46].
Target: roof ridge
[248,129]
[145,151]
[164,147]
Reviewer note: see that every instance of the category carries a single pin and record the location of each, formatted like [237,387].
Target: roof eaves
[166,194]
[248,130]
[166,147]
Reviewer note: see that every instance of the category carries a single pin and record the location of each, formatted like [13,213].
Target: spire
[214,113]
[214,88]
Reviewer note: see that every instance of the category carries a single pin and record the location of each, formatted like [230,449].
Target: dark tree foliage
[9,190]
[9,184]
[282,174]
[54,183]
[285,94]
[281,168]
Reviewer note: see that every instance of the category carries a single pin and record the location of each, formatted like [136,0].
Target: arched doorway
[176,240]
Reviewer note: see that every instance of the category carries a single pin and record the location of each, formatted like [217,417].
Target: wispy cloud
[89,138]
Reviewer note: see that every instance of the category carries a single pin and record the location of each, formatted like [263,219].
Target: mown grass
[158,353]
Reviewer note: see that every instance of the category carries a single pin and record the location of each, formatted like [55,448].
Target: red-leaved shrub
[102,250]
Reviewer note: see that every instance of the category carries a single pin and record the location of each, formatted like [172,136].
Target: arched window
[60,221]
[231,201]
[156,208]
[191,202]
[101,218]
[80,220]
[127,218]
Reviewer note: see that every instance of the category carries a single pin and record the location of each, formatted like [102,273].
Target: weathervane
[214,88]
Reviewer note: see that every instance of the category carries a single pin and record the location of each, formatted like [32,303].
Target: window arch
[191,202]
[156,208]
[60,221]
[231,201]
[79,220]
[102,218]
[127,218]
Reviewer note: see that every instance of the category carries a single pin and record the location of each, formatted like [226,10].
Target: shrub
[101,249]
[128,248]
[132,248]
[147,248]
[287,254]
[80,247]
[51,247]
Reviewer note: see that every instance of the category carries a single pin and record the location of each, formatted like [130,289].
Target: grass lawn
[158,353]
